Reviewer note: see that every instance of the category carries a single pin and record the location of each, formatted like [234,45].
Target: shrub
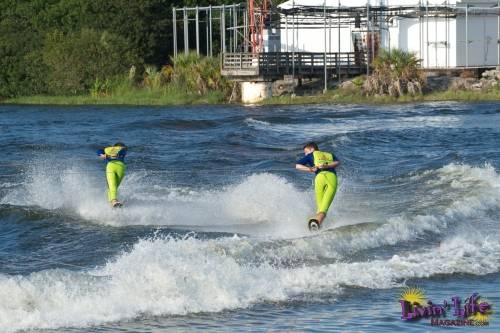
[358,81]
[101,88]
[395,73]
[200,74]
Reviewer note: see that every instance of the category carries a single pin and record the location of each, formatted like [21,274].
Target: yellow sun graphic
[483,317]
[413,295]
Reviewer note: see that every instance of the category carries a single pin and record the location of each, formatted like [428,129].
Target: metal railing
[231,61]
[290,63]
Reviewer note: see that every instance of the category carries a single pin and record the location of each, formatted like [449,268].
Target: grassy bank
[197,80]
[133,97]
[340,97]
[172,97]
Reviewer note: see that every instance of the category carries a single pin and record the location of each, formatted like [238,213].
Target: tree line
[62,47]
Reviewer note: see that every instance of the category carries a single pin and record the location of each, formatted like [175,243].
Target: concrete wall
[254,92]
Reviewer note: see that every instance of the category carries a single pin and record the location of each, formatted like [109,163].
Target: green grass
[143,96]
[491,95]
[169,96]
[340,97]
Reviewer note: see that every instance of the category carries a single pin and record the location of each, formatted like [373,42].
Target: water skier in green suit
[322,164]
[115,169]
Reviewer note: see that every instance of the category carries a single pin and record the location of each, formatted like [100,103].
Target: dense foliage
[65,46]
[75,60]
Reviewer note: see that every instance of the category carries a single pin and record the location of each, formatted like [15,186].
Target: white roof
[361,3]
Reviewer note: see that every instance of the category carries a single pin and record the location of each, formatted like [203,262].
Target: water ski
[313,224]
[117,204]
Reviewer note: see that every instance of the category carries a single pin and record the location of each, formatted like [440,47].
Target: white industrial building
[443,34]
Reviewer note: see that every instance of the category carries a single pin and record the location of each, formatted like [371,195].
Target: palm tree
[395,73]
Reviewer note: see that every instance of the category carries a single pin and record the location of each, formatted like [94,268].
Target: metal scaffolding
[232,33]
[372,19]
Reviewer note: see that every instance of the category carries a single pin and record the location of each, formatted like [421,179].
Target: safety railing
[289,63]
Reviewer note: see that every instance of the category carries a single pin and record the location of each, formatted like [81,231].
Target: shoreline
[335,96]
[338,97]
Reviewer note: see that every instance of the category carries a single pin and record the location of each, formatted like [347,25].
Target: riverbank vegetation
[67,47]
[396,78]
[190,80]
[77,52]
[338,96]
[172,96]
[395,73]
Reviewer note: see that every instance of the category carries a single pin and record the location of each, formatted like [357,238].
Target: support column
[367,36]
[230,31]
[329,34]
[325,88]
[338,54]
[235,31]
[286,33]
[245,29]
[427,33]
[297,45]
[372,41]
[255,92]
[293,46]
[186,32]
[223,29]
[197,21]
[210,27]
[435,41]
[467,35]
[447,53]
[419,29]
[206,32]
[174,32]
